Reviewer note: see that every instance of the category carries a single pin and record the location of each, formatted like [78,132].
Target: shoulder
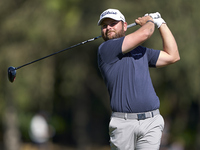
[112,43]
[111,50]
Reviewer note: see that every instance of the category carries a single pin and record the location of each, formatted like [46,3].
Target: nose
[108,26]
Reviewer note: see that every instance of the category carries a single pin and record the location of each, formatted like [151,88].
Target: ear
[125,26]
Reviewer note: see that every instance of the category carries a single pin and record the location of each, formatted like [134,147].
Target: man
[135,122]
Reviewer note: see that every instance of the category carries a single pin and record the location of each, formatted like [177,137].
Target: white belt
[138,116]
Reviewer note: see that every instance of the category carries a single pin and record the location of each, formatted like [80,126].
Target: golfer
[136,123]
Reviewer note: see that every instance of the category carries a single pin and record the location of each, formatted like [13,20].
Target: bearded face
[111,29]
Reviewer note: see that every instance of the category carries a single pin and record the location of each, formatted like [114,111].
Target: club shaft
[130,25]
[58,52]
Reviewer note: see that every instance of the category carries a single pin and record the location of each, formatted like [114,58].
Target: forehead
[108,21]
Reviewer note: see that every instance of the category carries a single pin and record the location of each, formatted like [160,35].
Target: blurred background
[64,96]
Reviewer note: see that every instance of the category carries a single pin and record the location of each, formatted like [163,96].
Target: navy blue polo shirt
[127,76]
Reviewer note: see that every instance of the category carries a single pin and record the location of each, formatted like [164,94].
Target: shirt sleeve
[152,56]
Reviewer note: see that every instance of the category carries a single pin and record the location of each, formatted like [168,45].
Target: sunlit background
[63,98]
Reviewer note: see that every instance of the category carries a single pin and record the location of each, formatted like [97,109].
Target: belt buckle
[141,116]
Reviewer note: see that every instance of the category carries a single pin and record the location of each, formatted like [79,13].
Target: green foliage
[33,29]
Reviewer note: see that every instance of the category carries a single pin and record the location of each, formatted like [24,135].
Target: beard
[112,34]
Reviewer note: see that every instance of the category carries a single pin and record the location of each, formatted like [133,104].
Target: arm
[170,52]
[136,38]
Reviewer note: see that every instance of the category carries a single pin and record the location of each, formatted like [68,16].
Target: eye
[113,24]
[104,26]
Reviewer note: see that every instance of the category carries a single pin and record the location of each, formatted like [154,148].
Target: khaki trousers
[132,134]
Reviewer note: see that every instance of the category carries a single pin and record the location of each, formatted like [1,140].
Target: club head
[11,73]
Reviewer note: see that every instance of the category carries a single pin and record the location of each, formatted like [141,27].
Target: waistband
[138,116]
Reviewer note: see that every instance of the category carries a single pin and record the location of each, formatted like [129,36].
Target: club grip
[132,25]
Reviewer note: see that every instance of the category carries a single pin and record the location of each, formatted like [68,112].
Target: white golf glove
[155,15]
[157,19]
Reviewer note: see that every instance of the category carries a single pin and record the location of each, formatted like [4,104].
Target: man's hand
[154,15]
[158,22]
[157,19]
[143,20]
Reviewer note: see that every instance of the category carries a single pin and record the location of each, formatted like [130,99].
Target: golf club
[12,70]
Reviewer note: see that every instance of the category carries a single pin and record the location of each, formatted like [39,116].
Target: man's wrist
[150,21]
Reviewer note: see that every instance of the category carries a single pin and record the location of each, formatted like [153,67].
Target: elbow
[177,58]
[146,34]
[174,53]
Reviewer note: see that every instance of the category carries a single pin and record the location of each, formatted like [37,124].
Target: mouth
[110,33]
